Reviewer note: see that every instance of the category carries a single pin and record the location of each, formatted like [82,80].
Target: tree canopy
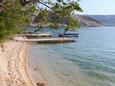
[13,18]
[14,14]
[61,9]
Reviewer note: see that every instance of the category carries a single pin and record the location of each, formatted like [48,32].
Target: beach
[14,65]
[90,61]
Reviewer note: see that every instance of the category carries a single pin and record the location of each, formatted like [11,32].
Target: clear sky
[102,7]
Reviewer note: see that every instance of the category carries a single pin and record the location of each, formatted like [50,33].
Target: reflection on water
[88,62]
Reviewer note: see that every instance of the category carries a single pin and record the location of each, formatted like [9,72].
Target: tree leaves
[16,16]
[59,0]
[13,19]
[62,9]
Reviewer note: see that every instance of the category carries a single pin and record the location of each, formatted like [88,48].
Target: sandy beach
[14,65]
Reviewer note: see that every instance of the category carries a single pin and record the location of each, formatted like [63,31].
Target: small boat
[69,34]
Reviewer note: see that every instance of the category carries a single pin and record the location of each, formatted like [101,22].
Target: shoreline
[14,69]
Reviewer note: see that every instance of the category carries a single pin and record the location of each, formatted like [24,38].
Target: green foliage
[62,11]
[59,0]
[72,25]
[42,17]
[16,16]
[54,25]
[13,19]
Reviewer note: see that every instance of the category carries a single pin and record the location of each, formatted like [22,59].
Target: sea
[90,61]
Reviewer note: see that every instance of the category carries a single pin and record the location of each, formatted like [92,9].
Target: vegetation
[59,11]
[14,15]
[13,18]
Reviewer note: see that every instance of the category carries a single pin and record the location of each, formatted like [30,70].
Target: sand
[14,65]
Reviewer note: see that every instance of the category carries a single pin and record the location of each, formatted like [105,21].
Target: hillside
[84,20]
[96,20]
[106,20]
[87,21]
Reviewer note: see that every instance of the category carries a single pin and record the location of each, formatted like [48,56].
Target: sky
[98,7]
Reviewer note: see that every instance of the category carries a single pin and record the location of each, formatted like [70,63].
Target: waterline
[88,62]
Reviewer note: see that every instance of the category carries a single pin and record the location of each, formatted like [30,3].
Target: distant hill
[106,20]
[88,21]
[96,20]
[84,20]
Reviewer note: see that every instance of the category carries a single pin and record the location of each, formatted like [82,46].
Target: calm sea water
[90,61]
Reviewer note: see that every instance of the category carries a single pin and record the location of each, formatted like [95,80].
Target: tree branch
[55,11]
[1,5]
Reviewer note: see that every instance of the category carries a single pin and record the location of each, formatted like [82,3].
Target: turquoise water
[90,61]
